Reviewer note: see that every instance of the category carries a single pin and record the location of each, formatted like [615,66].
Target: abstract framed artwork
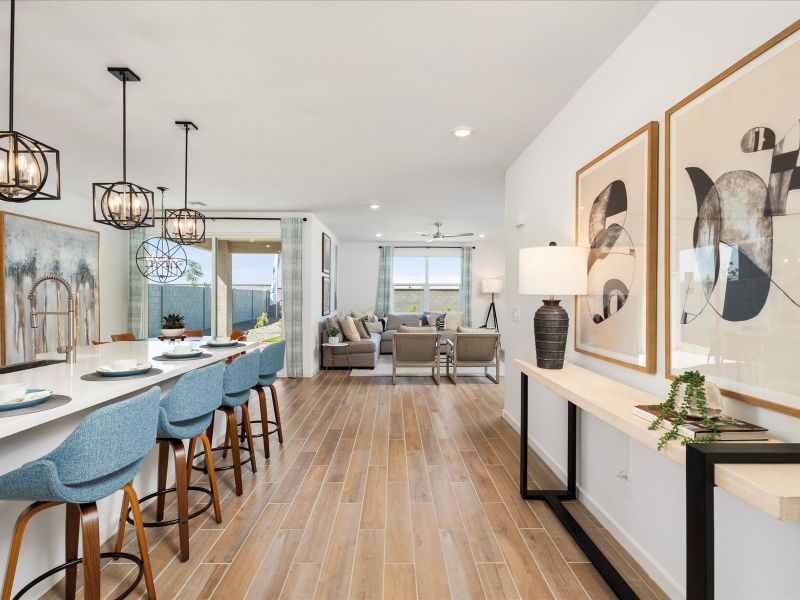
[326,253]
[616,217]
[733,213]
[326,295]
[32,248]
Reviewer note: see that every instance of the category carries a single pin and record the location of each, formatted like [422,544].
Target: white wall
[358,275]
[312,291]
[77,211]
[676,48]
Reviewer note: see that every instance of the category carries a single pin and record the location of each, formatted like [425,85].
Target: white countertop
[65,378]
[774,489]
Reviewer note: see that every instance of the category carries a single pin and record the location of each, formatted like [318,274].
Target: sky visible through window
[441,269]
[247,268]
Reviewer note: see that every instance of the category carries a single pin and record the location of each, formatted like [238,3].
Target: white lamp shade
[492,286]
[553,270]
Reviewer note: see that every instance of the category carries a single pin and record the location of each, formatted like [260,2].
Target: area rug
[384,369]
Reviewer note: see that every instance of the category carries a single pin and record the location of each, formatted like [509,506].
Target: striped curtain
[137,286]
[383,303]
[465,294]
[292,303]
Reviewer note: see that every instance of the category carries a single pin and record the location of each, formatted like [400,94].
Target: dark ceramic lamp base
[550,326]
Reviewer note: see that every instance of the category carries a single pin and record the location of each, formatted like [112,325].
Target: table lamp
[552,271]
[491,286]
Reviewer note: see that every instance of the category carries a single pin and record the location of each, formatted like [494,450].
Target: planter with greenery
[172,325]
[333,335]
[691,387]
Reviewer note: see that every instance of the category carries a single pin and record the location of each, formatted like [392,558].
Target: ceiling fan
[438,236]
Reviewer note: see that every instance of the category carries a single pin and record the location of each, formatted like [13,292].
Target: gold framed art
[732,206]
[34,247]
[616,217]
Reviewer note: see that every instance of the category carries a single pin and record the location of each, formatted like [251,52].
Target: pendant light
[123,204]
[159,259]
[185,225]
[29,170]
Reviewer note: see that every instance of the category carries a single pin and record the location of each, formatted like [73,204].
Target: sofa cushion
[388,335]
[408,329]
[462,329]
[394,320]
[359,347]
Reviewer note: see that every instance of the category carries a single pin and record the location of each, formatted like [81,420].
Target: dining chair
[193,333]
[123,337]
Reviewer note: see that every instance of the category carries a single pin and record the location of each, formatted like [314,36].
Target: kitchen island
[29,436]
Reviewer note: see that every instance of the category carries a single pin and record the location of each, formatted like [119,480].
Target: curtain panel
[466,284]
[137,287]
[383,303]
[292,303]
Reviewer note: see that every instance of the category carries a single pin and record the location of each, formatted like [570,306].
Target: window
[426,283]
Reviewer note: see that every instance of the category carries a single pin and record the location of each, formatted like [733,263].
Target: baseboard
[672,588]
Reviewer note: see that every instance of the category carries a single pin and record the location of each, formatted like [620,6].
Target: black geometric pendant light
[159,259]
[185,225]
[123,204]
[29,169]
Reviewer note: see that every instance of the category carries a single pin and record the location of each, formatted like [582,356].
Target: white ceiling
[313,106]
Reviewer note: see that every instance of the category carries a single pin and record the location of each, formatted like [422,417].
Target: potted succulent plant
[172,325]
[333,335]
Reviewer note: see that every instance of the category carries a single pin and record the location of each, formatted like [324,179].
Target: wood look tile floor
[382,491]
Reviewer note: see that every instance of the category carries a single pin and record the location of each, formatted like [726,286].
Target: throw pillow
[453,320]
[361,328]
[440,319]
[349,329]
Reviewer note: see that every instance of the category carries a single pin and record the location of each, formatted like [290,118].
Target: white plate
[29,397]
[173,354]
[108,369]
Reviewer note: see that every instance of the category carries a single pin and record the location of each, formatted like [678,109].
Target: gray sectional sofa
[363,353]
[393,323]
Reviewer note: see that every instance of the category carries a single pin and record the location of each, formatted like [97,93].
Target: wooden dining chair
[123,337]
[193,333]
[99,343]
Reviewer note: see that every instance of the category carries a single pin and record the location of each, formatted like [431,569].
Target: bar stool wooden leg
[277,412]
[190,460]
[16,543]
[262,402]
[249,430]
[90,528]
[212,476]
[140,536]
[72,531]
[163,465]
[123,522]
[235,455]
[182,491]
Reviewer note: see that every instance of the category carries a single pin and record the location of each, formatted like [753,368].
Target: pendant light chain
[124,129]
[186,170]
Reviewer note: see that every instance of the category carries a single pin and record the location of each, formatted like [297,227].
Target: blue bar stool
[240,377]
[102,455]
[184,414]
[272,361]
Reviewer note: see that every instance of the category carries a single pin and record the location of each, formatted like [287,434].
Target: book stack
[730,429]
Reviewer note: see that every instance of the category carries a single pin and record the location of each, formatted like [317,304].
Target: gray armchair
[416,347]
[474,348]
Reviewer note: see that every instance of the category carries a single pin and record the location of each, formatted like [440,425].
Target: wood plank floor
[383,491]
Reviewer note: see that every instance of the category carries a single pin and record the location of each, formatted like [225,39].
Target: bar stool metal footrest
[71,563]
[196,513]
[242,436]
[217,469]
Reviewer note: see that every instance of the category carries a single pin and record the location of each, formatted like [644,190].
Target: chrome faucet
[69,349]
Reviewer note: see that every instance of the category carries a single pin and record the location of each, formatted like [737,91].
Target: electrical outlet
[515,315]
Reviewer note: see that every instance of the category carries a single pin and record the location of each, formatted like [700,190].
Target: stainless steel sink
[31,364]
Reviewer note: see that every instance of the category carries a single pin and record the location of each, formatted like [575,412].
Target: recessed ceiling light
[251,241]
[378,234]
[462,132]
[374,206]
[481,235]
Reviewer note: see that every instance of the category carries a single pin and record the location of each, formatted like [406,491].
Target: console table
[763,474]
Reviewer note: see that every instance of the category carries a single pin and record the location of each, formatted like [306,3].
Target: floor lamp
[491,286]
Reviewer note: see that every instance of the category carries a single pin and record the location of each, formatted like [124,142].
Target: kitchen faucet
[69,349]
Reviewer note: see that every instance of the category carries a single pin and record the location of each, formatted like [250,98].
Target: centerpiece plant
[172,321]
[691,387]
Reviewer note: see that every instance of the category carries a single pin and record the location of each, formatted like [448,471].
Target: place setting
[19,399]
[222,342]
[183,351]
[129,368]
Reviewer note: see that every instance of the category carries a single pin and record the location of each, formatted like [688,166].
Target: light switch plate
[515,314]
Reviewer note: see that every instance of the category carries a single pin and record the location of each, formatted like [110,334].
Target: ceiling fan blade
[425,233]
[459,235]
